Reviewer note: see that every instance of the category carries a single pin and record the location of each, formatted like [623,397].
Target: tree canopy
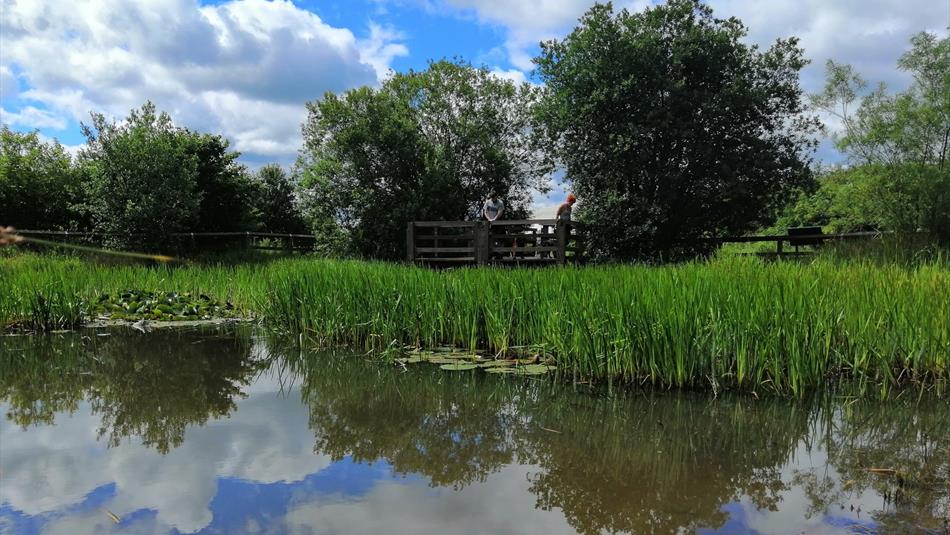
[671,128]
[426,145]
[143,178]
[38,184]
[146,178]
[896,143]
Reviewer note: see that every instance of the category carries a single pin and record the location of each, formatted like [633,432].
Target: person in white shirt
[493,208]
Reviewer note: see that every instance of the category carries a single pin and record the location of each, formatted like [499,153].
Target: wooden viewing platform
[509,242]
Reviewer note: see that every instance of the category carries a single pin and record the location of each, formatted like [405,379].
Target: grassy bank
[784,328]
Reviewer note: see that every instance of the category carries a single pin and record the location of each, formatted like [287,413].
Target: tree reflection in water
[643,463]
[151,386]
[626,463]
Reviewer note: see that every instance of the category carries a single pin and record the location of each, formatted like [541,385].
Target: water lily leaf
[500,369]
[533,369]
[458,367]
[411,360]
[496,364]
[441,360]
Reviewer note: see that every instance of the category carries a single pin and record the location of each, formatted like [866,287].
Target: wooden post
[562,243]
[483,242]
[411,241]
[778,247]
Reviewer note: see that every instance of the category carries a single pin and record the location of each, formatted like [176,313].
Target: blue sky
[245,68]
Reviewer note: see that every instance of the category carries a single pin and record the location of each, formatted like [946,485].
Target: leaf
[496,364]
[533,369]
[411,360]
[458,367]
[442,360]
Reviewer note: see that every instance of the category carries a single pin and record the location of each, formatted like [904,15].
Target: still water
[220,431]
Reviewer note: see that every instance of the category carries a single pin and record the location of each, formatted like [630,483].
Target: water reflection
[219,432]
[151,386]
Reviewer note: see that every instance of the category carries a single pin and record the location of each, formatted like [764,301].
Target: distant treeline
[665,123]
[140,180]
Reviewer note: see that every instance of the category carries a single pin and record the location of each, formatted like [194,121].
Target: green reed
[735,323]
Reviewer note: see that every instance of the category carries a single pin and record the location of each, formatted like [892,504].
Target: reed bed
[740,323]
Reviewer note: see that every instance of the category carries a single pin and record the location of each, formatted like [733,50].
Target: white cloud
[8,82]
[32,117]
[399,508]
[267,439]
[871,34]
[243,68]
[380,48]
[513,75]
[529,23]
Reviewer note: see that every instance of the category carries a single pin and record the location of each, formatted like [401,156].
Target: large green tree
[897,145]
[275,201]
[148,178]
[672,128]
[227,191]
[426,145]
[142,178]
[38,183]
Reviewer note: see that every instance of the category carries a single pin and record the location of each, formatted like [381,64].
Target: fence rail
[252,240]
[527,241]
[795,237]
[544,241]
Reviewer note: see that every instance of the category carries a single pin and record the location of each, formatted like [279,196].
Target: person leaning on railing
[493,207]
[564,211]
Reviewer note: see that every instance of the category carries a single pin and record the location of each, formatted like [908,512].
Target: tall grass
[740,323]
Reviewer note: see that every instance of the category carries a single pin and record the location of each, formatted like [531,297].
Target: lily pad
[533,369]
[458,367]
[442,360]
[411,360]
[496,364]
[500,370]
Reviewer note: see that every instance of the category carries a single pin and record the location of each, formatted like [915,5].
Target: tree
[38,184]
[426,145]
[148,178]
[226,188]
[671,128]
[275,201]
[897,143]
[143,178]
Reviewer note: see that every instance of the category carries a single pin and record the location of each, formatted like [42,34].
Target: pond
[220,430]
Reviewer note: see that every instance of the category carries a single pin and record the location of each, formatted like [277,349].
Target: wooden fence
[796,238]
[544,241]
[197,240]
[517,242]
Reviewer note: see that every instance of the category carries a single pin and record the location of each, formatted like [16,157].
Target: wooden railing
[797,237]
[252,240]
[519,242]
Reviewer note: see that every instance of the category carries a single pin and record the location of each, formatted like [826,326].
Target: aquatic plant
[731,324]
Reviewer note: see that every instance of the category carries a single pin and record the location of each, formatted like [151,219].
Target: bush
[38,184]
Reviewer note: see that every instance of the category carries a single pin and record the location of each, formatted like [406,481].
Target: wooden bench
[799,236]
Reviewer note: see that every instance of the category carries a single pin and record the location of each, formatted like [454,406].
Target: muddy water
[218,431]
